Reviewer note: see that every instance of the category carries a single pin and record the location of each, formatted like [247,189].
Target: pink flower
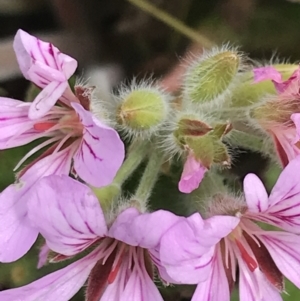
[192,175]
[278,115]
[262,256]
[119,263]
[76,142]
[48,68]
[95,148]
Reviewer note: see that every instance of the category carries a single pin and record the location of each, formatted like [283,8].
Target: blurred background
[114,41]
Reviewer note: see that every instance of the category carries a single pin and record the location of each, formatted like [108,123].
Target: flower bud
[249,92]
[142,110]
[192,135]
[211,77]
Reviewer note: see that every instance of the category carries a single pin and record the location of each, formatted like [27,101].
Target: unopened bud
[212,76]
[142,110]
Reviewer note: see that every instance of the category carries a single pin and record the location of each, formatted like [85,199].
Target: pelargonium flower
[118,259]
[279,115]
[48,68]
[262,256]
[96,149]
[76,142]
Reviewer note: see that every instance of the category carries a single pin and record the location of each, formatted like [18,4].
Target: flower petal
[43,256]
[101,152]
[253,286]
[16,234]
[132,284]
[30,51]
[46,99]
[255,194]
[285,251]
[192,175]
[144,230]
[216,287]
[287,185]
[266,73]
[61,285]
[66,213]
[15,126]
[296,119]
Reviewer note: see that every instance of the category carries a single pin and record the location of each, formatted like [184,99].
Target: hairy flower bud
[142,110]
[190,134]
[249,92]
[211,76]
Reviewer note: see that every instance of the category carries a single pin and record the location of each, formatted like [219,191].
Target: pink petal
[15,127]
[132,284]
[16,234]
[130,227]
[187,248]
[215,288]
[287,185]
[67,214]
[46,99]
[266,73]
[285,251]
[43,256]
[296,119]
[192,175]
[255,193]
[61,285]
[101,152]
[254,286]
[31,51]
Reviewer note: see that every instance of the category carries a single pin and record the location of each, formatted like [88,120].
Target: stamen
[34,150]
[116,265]
[251,263]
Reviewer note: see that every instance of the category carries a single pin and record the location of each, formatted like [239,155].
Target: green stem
[149,177]
[172,22]
[247,141]
[136,154]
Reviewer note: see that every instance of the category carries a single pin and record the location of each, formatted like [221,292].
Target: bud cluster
[105,169]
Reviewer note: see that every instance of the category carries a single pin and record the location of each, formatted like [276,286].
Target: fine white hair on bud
[211,77]
[140,109]
[189,120]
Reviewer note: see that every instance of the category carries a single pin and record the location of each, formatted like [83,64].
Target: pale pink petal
[16,231]
[296,119]
[270,73]
[254,286]
[46,99]
[30,51]
[67,214]
[16,234]
[187,248]
[266,73]
[255,194]
[101,152]
[132,284]
[216,287]
[44,65]
[287,185]
[61,285]
[192,175]
[43,256]
[15,127]
[285,145]
[144,230]
[285,251]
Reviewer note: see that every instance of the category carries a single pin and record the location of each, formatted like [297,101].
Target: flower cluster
[71,192]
